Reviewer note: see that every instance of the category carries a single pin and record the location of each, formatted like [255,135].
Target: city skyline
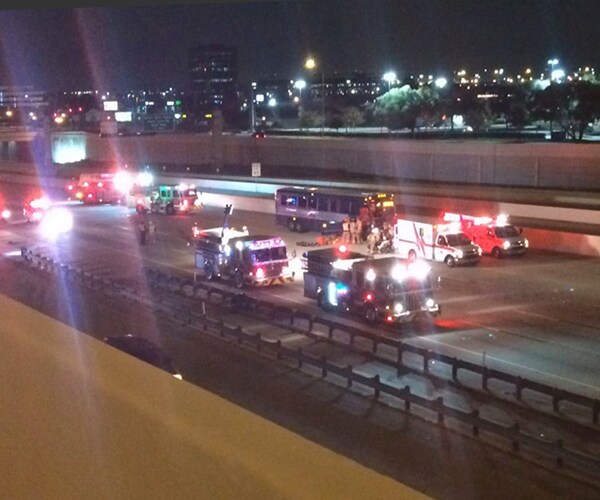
[147,45]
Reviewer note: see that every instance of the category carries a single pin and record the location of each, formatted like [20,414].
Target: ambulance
[431,239]
[495,235]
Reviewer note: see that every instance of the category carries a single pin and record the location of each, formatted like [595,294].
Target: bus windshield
[381,204]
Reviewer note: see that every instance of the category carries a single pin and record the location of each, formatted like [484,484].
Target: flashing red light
[342,249]
[70,187]
[86,184]
[100,184]
[390,319]
[90,195]
[80,110]
[369,297]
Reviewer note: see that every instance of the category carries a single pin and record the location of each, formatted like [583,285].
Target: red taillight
[389,319]
[369,297]
[260,273]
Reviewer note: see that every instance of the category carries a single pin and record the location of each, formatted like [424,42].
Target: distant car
[259,134]
[34,210]
[4,214]
[145,350]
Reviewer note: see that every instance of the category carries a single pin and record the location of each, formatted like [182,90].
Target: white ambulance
[428,238]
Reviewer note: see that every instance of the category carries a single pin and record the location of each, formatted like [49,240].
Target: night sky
[90,45]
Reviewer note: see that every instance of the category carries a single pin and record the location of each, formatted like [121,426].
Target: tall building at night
[213,77]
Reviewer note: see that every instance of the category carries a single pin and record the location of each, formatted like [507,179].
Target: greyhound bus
[303,209]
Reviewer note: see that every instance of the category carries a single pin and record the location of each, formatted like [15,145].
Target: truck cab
[387,289]
[245,260]
[495,235]
[431,239]
[169,199]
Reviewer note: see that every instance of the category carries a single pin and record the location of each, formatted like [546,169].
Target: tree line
[571,107]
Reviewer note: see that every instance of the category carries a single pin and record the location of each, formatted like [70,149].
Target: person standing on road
[346,231]
[151,232]
[353,233]
[359,230]
[143,230]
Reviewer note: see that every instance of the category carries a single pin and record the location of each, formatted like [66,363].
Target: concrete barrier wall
[556,165]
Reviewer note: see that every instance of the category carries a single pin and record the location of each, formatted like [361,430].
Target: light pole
[552,63]
[311,64]
[252,116]
[300,85]
[389,77]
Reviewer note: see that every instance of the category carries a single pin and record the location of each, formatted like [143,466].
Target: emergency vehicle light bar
[260,244]
[499,220]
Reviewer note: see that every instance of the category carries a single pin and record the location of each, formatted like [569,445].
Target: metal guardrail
[456,365]
[512,434]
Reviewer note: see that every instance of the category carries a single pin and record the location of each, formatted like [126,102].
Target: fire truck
[495,235]
[386,289]
[241,258]
[169,199]
[96,188]
[428,238]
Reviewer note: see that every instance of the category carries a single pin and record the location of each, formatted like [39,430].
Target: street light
[552,63]
[441,82]
[252,115]
[310,64]
[300,85]
[390,77]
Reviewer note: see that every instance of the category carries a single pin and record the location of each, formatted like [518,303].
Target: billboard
[111,105]
[123,116]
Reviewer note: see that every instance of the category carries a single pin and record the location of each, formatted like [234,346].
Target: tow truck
[169,199]
[247,260]
[495,235]
[386,289]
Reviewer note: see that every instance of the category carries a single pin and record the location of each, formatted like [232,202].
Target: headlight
[459,254]
[506,245]
[430,302]
[398,308]
[285,270]
[6,214]
[479,250]
[526,243]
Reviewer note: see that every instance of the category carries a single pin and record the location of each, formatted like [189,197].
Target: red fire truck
[96,188]
[495,235]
